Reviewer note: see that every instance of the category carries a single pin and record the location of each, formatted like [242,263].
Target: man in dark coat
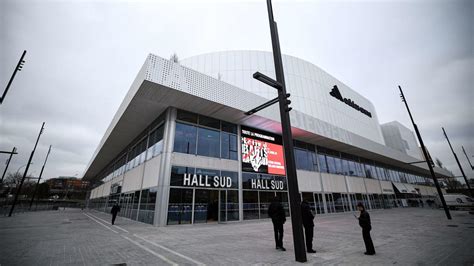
[277,213]
[364,222]
[114,211]
[308,224]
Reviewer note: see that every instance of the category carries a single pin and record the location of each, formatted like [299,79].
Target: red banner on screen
[276,160]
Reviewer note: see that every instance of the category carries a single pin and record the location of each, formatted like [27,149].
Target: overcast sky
[83,55]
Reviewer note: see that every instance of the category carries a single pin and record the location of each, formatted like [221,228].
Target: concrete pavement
[410,236]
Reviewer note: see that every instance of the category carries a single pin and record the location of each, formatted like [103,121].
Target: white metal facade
[308,84]
[318,118]
[399,137]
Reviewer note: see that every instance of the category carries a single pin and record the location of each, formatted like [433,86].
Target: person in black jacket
[277,213]
[114,211]
[308,224]
[364,222]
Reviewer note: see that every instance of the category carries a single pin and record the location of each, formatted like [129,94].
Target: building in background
[180,149]
[68,187]
[400,138]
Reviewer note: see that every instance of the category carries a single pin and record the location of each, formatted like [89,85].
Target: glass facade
[259,191]
[146,146]
[199,195]
[202,196]
[205,136]
[137,205]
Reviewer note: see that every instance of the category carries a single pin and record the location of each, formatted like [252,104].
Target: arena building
[180,149]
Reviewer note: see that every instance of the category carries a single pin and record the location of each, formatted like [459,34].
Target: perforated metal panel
[187,80]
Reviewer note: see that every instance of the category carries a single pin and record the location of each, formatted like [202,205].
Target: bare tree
[174,58]
[13,179]
[453,184]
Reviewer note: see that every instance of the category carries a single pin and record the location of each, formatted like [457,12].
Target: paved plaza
[411,236]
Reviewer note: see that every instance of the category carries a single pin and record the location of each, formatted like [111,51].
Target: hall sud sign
[206,181]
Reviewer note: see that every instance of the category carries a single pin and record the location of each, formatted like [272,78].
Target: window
[180,206]
[187,117]
[214,138]
[147,206]
[323,167]
[234,176]
[136,156]
[360,169]
[208,143]
[303,160]
[368,171]
[209,122]
[352,168]
[345,167]
[228,146]
[177,172]
[232,205]
[338,164]
[155,142]
[185,139]
[229,128]
[251,208]
[331,164]
[305,156]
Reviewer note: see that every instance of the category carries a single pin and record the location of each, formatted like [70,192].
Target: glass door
[319,203]
[222,206]
[330,203]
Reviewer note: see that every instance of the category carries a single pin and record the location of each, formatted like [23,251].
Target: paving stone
[410,236]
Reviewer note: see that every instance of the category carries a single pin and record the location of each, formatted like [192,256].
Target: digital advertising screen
[262,152]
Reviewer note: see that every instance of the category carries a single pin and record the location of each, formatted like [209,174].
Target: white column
[164,174]
[239,158]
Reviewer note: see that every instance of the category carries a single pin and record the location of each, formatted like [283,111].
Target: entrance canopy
[405,188]
[411,189]
[400,187]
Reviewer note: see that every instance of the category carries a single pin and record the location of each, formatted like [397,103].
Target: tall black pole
[26,171]
[295,200]
[8,163]
[39,178]
[17,68]
[467,157]
[459,164]
[425,153]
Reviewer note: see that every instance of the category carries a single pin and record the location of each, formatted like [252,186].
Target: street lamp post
[467,157]
[459,164]
[26,171]
[282,99]
[8,163]
[39,178]
[425,153]
[18,67]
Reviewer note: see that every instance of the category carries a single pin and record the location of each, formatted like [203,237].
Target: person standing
[364,222]
[308,224]
[114,211]
[277,213]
